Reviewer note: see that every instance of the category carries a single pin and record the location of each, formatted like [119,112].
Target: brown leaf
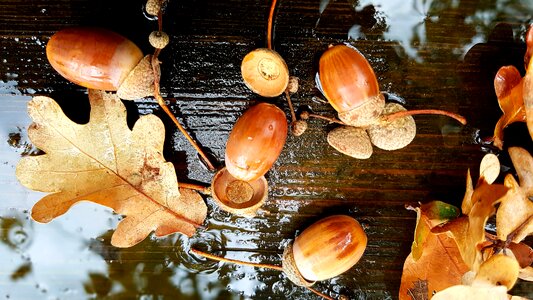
[105,162]
[515,214]
[509,90]
[429,215]
[469,231]
[466,205]
[439,265]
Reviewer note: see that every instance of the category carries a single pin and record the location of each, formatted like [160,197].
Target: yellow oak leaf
[528,81]
[465,292]
[105,162]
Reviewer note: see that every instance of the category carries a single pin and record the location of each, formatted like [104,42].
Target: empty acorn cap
[140,81]
[393,135]
[352,141]
[291,269]
[298,127]
[239,197]
[265,72]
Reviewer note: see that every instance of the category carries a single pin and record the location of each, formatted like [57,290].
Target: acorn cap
[298,127]
[265,72]
[393,135]
[352,141]
[291,270]
[239,197]
[140,81]
[366,114]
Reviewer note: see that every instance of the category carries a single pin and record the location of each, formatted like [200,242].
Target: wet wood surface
[456,58]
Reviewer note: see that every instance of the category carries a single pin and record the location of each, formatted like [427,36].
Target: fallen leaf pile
[453,257]
[515,94]
[105,162]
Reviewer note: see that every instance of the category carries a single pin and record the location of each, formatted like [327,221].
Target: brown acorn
[100,59]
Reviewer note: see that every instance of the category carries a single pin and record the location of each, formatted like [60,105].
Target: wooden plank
[457,54]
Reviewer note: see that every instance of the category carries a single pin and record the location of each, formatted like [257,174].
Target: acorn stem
[239,262]
[161,101]
[331,120]
[251,264]
[401,114]
[293,115]
[269,26]
[197,187]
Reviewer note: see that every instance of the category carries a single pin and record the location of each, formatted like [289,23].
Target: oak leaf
[439,265]
[105,162]
[528,81]
[469,230]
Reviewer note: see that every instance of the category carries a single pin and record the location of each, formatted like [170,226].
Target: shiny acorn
[97,58]
[253,146]
[349,84]
[324,250]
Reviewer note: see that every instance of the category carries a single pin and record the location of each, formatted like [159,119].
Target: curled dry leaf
[509,90]
[528,81]
[469,231]
[515,214]
[105,162]
[489,168]
[439,265]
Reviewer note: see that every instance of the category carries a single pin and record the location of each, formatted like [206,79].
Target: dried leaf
[526,274]
[469,231]
[428,216]
[466,205]
[105,162]
[499,269]
[509,90]
[464,292]
[523,254]
[528,81]
[489,168]
[439,265]
[515,211]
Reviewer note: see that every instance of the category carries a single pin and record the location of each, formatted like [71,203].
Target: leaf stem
[517,230]
[251,264]
[401,114]
[270,21]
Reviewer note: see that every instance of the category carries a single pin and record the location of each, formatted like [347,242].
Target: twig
[331,120]
[293,115]
[401,114]
[193,186]
[270,21]
[157,94]
[239,262]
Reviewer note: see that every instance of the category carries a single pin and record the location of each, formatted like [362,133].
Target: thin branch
[288,96]
[197,187]
[401,114]
[270,21]
[331,120]
[239,262]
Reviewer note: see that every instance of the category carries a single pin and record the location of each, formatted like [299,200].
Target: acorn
[100,59]
[324,250]
[349,84]
[265,72]
[253,146]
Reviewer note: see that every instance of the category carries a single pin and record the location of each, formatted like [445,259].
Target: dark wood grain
[201,80]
